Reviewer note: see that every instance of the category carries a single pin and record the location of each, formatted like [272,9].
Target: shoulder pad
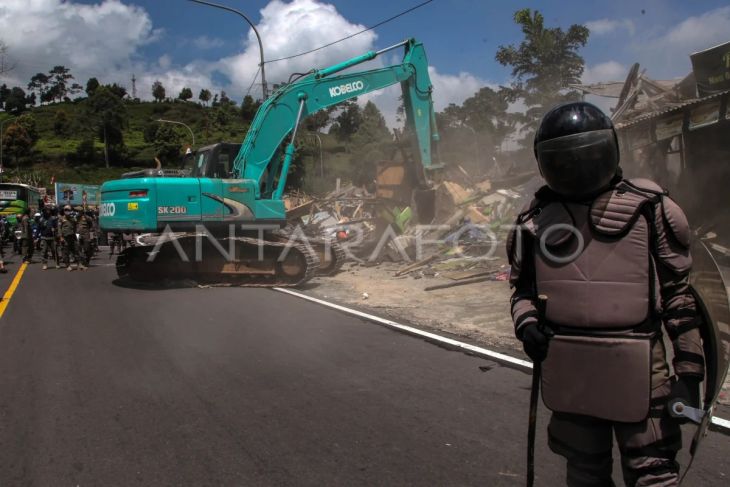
[673,236]
[615,211]
[676,221]
[646,185]
[513,237]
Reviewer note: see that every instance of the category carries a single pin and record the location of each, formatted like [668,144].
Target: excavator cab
[213,161]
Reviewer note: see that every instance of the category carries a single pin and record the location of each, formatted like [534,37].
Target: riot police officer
[67,229]
[612,257]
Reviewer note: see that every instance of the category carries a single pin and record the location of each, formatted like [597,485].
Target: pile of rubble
[464,243]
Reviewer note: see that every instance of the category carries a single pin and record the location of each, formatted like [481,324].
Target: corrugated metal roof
[674,108]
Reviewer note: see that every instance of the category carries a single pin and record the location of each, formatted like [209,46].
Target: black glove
[535,342]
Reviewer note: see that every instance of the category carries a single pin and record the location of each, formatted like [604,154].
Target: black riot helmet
[576,149]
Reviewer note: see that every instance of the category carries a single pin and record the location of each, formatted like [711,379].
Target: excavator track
[283,265]
[329,265]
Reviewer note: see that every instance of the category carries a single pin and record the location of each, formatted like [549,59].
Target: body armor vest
[594,260]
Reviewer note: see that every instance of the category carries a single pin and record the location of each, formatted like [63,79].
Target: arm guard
[679,309]
[522,276]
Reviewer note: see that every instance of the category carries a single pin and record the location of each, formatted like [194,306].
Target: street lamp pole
[2,167]
[192,135]
[264,88]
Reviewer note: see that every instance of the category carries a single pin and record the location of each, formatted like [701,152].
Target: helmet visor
[580,164]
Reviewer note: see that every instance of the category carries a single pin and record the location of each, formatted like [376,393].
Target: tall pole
[192,135]
[264,88]
[2,167]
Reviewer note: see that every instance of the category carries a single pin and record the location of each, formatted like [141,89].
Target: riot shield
[711,292]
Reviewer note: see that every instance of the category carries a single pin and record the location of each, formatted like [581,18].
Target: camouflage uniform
[26,238]
[67,228]
[83,228]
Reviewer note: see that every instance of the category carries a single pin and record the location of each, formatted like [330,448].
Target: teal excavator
[222,217]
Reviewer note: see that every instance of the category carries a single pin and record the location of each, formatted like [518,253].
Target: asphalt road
[102,384]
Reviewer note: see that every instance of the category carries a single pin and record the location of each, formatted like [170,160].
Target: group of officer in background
[67,236]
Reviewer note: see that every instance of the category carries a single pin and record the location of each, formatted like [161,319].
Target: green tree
[544,64]
[167,144]
[185,94]
[319,120]
[85,152]
[369,144]
[39,84]
[150,132]
[118,90]
[204,96]
[249,106]
[60,122]
[349,119]
[59,77]
[74,89]
[27,121]
[91,86]
[225,101]
[221,116]
[108,114]
[15,102]
[4,93]
[16,141]
[158,91]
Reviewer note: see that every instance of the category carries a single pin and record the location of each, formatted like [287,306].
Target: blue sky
[460,35]
[184,44]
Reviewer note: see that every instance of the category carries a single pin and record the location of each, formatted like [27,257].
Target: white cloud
[89,39]
[165,61]
[291,28]
[449,88]
[606,26]
[105,40]
[667,56]
[700,32]
[205,42]
[608,71]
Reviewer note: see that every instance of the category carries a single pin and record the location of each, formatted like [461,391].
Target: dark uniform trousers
[48,245]
[70,247]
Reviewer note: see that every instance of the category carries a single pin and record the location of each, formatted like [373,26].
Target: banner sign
[77,194]
[711,68]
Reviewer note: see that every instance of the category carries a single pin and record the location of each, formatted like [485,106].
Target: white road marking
[501,358]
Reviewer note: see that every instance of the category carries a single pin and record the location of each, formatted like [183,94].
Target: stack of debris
[463,243]
[338,215]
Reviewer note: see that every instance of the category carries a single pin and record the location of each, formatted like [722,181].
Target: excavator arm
[279,116]
[251,189]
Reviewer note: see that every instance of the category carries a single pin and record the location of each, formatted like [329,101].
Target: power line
[353,35]
[253,81]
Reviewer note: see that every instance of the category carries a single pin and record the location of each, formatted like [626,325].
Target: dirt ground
[479,312]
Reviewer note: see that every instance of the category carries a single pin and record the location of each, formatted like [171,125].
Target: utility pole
[134,87]
[264,88]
